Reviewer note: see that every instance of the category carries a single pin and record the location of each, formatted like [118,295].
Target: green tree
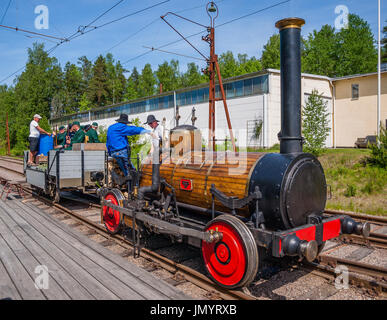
[84,103]
[315,127]
[320,56]
[34,91]
[86,68]
[271,53]
[384,43]
[228,65]
[116,82]
[168,75]
[147,82]
[132,90]
[98,87]
[246,65]
[356,50]
[7,105]
[72,87]
[378,155]
[192,76]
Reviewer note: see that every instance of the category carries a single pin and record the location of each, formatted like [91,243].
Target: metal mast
[212,71]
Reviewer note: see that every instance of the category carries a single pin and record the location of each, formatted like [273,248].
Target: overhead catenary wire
[32,32]
[174,53]
[118,19]
[130,36]
[99,17]
[146,26]
[5,13]
[201,32]
[76,36]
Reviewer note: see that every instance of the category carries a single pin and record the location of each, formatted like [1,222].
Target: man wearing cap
[117,141]
[33,138]
[61,138]
[78,137]
[92,133]
[157,137]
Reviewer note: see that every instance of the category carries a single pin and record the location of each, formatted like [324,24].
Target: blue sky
[247,35]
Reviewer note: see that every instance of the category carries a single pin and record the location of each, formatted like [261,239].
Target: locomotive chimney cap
[290,23]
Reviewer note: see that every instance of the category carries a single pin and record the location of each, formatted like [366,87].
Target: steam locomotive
[230,205]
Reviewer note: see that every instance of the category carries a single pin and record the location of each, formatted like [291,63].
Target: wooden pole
[214,70]
[211,95]
[225,105]
[7,130]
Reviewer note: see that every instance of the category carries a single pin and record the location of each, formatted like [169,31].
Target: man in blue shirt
[117,141]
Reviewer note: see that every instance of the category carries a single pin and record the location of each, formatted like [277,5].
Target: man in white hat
[33,138]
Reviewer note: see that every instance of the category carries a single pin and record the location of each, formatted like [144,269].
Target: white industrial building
[251,98]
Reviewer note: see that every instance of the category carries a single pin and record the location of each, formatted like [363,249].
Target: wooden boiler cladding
[193,174]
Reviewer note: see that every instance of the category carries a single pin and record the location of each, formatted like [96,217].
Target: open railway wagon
[234,207]
[68,170]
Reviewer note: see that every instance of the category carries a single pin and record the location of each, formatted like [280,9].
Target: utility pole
[7,130]
[212,70]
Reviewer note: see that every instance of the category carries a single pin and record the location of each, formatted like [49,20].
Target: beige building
[355,107]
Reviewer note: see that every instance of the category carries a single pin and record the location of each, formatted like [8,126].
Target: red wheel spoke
[226,260]
[111,217]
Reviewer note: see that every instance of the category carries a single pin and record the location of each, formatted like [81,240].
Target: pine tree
[98,88]
[384,43]
[315,127]
[147,82]
[72,87]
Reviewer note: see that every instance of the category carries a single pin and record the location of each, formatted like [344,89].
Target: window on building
[355,91]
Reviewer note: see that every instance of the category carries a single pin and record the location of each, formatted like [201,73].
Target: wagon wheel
[112,218]
[233,261]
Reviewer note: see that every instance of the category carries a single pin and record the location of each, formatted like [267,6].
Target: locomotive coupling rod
[165,227]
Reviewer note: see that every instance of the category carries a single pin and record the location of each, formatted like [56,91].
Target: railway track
[180,271]
[325,266]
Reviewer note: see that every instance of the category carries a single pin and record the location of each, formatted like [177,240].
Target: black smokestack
[290,135]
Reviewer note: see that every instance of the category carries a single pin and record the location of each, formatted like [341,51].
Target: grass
[355,186]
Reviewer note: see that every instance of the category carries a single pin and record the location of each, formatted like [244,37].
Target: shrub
[315,123]
[378,157]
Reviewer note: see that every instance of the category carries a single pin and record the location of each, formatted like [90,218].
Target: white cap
[37,116]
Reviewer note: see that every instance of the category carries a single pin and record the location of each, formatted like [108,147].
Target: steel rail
[360,216]
[328,272]
[189,274]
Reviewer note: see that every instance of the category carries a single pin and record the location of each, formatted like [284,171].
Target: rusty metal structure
[212,71]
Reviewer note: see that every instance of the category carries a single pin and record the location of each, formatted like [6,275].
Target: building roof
[352,76]
[306,75]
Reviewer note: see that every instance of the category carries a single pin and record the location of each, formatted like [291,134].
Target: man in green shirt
[78,137]
[61,137]
[92,133]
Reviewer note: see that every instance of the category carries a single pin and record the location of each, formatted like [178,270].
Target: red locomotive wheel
[233,261]
[112,218]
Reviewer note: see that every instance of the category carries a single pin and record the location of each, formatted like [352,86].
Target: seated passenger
[61,138]
[92,133]
[78,137]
